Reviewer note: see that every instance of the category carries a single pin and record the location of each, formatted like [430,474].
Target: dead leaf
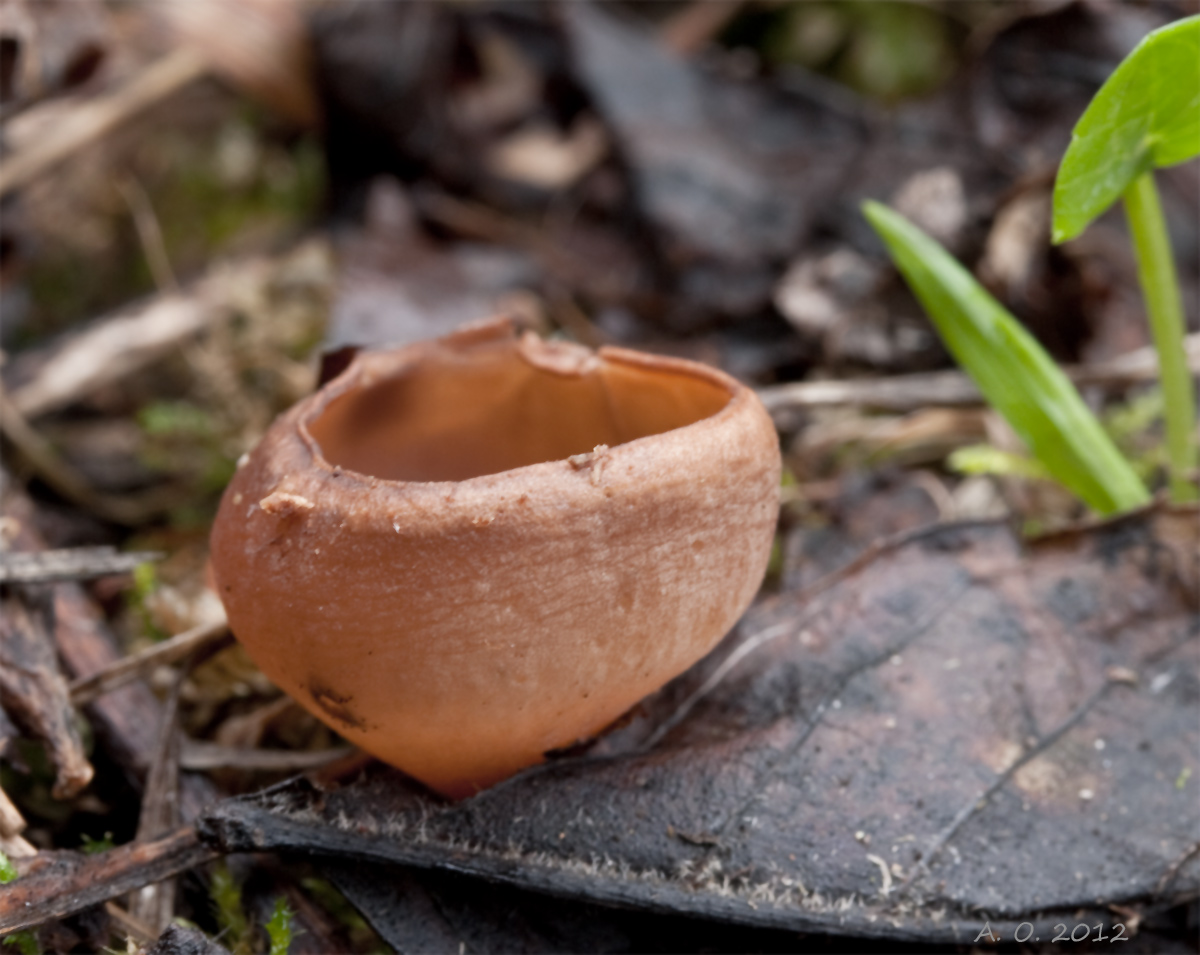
[950,700]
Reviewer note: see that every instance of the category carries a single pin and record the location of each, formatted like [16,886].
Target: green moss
[145,583]
[201,213]
[881,48]
[226,896]
[24,942]
[8,871]
[279,927]
[1135,425]
[987,459]
[93,847]
[204,208]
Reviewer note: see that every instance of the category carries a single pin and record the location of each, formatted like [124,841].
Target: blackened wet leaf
[963,728]
[396,285]
[724,169]
[424,911]
[177,940]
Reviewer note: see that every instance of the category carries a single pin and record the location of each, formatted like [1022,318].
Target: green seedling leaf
[1012,370]
[1146,115]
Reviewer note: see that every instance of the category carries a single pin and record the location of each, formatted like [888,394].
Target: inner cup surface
[459,414]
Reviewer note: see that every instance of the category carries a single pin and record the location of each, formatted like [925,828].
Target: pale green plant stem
[1164,308]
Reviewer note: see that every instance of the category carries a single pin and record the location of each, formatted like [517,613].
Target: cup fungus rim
[498,330]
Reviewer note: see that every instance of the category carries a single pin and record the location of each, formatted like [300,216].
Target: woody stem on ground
[1164,308]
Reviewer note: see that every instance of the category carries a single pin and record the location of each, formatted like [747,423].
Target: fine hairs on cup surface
[463,553]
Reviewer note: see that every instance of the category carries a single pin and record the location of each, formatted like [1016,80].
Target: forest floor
[961,712]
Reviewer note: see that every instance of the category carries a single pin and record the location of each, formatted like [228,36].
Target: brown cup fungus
[466,552]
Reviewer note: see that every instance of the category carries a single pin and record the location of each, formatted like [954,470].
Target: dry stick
[123,720]
[154,904]
[70,563]
[60,474]
[695,26]
[905,392]
[15,847]
[149,234]
[55,885]
[12,823]
[92,120]
[136,929]
[115,346]
[138,665]
[198,755]
[33,691]
[1172,870]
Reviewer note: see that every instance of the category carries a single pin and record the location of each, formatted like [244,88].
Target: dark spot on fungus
[336,705]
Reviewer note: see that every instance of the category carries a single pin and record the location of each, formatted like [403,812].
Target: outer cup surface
[465,553]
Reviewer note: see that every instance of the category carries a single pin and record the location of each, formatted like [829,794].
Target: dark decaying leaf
[963,728]
[432,911]
[177,940]
[397,286]
[730,172]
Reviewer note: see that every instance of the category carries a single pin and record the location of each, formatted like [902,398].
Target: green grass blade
[1012,370]
[1147,114]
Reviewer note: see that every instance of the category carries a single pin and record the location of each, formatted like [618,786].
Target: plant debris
[953,704]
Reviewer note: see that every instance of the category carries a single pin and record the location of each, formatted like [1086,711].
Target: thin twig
[113,347]
[688,31]
[154,904]
[905,392]
[198,755]
[139,664]
[64,477]
[150,235]
[12,823]
[90,121]
[55,885]
[17,847]
[73,563]
[1172,870]
[33,691]
[135,928]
